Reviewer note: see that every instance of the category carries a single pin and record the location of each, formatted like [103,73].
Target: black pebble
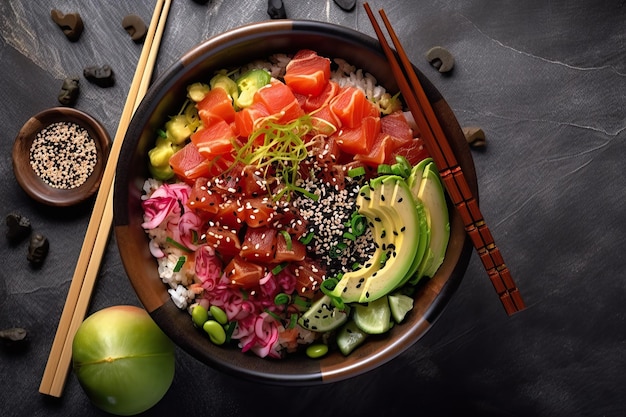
[18,227]
[14,339]
[346,5]
[102,76]
[69,91]
[38,249]
[71,24]
[135,27]
[276,9]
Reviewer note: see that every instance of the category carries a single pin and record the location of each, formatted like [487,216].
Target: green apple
[123,360]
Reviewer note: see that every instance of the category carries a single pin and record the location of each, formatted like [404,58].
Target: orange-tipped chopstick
[449,169]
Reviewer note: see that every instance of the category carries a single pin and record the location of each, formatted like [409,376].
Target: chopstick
[449,170]
[99,227]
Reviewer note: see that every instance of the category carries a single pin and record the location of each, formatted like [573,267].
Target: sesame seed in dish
[63,155]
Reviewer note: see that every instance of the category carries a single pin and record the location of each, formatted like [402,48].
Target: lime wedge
[399,304]
[374,317]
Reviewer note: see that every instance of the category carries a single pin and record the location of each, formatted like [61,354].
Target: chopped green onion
[230,328]
[196,239]
[301,302]
[287,237]
[177,244]
[281,298]
[306,239]
[338,302]
[180,263]
[356,172]
[356,266]
[276,270]
[328,285]
[271,313]
[337,250]
[161,133]
[293,320]
[402,167]
[358,223]
[384,169]
[349,236]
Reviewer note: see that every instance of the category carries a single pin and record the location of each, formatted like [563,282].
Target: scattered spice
[63,155]
[18,227]
[71,24]
[69,91]
[38,249]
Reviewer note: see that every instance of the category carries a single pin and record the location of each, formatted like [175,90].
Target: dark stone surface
[546,81]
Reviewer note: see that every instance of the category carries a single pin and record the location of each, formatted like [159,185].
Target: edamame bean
[216,331]
[218,314]
[316,350]
[199,315]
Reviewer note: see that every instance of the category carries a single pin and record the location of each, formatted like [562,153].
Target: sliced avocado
[391,209]
[417,173]
[323,316]
[431,194]
[349,337]
[391,206]
[350,287]
[396,208]
[422,247]
[414,181]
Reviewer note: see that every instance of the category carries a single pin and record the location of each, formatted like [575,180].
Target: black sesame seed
[63,155]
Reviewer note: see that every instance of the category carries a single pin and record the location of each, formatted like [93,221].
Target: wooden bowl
[52,192]
[230,49]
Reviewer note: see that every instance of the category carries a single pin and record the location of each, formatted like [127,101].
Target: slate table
[546,81]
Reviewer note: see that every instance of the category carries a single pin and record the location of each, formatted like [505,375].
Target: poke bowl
[260,302]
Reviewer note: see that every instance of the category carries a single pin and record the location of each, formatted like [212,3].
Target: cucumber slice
[400,305]
[350,337]
[374,317]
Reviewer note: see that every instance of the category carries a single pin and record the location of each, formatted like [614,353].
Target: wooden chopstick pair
[98,230]
[449,169]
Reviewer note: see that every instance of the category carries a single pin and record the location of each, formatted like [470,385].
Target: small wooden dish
[32,183]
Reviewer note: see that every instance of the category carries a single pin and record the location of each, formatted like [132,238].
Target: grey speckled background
[547,83]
